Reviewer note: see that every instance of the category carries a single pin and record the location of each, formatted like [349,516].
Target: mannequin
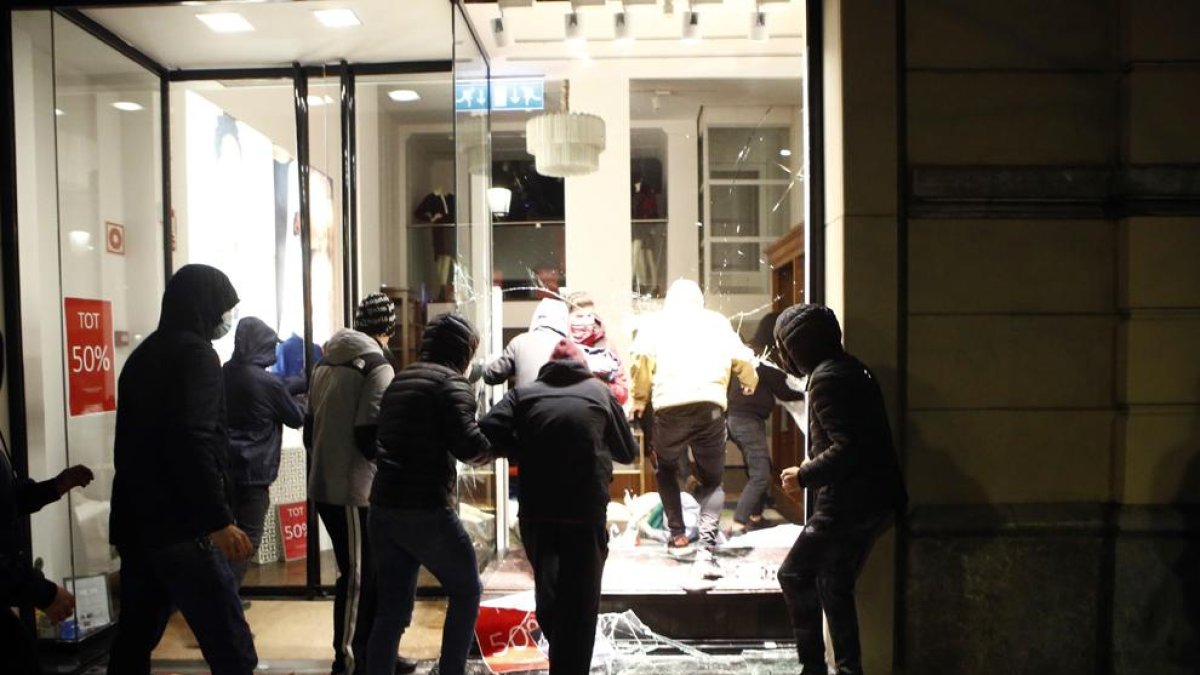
[644,202]
[438,208]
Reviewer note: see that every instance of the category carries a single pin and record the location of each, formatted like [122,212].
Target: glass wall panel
[91,237]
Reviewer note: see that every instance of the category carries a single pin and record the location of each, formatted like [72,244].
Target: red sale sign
[293,530]
[508,639]
[91,375]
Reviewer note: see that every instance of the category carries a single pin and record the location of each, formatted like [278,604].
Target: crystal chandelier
[565,143]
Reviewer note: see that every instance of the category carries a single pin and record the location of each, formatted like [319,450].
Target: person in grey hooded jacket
[528,352]
[340,432]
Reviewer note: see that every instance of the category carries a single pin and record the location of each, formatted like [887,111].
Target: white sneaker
[706,566]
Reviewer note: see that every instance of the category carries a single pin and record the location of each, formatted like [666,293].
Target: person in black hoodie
[852,466]
[746,421]
[564,430]
[258,406]
[171,519]
[20,584]
[426,423]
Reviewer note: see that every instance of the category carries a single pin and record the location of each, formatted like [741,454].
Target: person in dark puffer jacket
[426,423]
[852,466]
[564,430]
[257,406]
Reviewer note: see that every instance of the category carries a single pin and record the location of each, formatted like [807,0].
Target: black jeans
[194,577]
[819,574]
[250,504]
[17,646]
[568,565]
[749,433]
[700,426]
[354,591]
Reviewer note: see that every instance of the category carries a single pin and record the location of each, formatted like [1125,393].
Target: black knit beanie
[376,315]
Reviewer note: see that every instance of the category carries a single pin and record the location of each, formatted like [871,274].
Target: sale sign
[508,635]
[293,530]
[91,375]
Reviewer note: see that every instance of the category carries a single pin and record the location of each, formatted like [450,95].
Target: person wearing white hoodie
[528,352]
[681,365]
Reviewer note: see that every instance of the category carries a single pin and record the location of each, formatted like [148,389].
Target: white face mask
[222,329]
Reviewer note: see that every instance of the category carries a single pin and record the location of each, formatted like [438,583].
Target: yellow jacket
[685,353]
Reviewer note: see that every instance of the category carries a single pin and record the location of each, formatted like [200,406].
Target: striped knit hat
[376,315]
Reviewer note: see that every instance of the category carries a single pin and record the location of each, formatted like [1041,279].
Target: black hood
[807,335]
[254,343]
[449,339]
[764,335]
[563,372]
[195,299]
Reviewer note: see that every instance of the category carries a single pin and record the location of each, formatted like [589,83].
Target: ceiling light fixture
[315,101]
[337,18]
[784,152]
[225,22]
[691,27]
[59,111]
[572,29]
[758,26]
[404,95]
[621,31]
[500,32]
[127,106]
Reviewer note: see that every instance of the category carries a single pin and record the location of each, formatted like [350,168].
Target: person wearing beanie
[426,425]
[852,467]
[376,316]
[564,430]
[340,431]
[682,360]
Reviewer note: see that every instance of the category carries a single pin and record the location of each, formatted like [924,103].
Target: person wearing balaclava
[852,467]
[681,364]
[426,425]
[171,518]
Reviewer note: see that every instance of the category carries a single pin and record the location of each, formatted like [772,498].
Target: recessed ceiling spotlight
[784,152]
[315,101]
[404,95]
[225,22]
[337,18]
[59,111]
[572,29]
[127,106]
[758,26]
[621,31]
[691,27]
[500,32]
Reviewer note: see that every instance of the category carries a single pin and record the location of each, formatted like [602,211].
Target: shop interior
[383,146]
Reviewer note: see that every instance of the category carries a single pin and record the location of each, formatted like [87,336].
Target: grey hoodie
[529,351]
[344,397]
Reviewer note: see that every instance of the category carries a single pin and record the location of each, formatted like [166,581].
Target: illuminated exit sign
[507,94]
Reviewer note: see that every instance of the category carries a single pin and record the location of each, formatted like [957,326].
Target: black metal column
[300,93]
[349,193]
[168,212]
[814,220]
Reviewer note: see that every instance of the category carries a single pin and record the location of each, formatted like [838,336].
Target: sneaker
[738,529]
[679,547]
[706,566]
[404,666]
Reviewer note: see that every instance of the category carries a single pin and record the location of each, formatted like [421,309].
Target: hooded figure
[681,365]
[564,430]
[340,431]
[258,405]
[426,424]
[171,518]
[527,352]
[852,466]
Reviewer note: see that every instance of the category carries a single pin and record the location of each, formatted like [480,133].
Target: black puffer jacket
[852,462]
[171,441]
[257,404]
[20,584]
[427,421]
[564,430]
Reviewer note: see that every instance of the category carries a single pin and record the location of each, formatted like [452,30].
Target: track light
[500,32]
[758,26]
[573,31]
[621,32]
[691,26]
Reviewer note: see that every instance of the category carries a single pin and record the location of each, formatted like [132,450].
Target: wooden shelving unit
[786,256]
